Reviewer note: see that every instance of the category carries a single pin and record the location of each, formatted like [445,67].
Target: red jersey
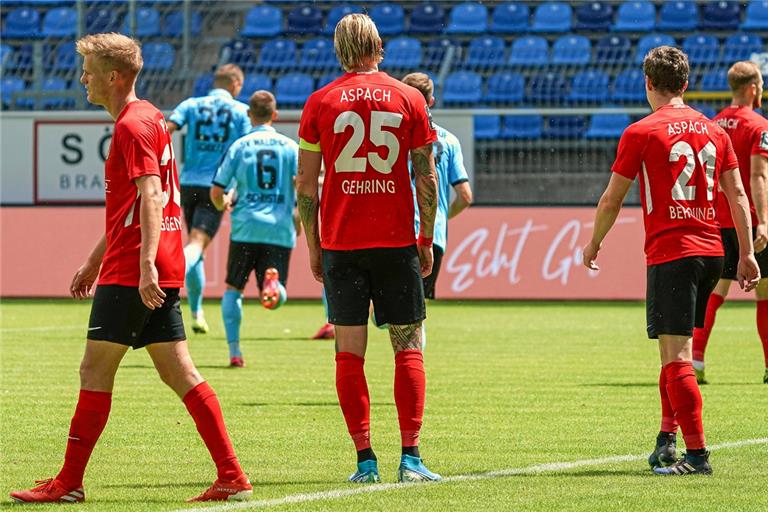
[141,145]
[749,135]
[679,155]
[365,124]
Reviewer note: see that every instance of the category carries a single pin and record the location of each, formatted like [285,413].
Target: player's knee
[405,337]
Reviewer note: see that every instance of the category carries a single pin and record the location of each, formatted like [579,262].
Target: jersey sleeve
[227,167]
[456,172]
[244,126]
[309,135]
[760,140]
[423,130]
[140,149]
[180,113]
[629,155]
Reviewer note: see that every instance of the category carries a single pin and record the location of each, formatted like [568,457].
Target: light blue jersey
[261,166]
[213,123]
[449,164]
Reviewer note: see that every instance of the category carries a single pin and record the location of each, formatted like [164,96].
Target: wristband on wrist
[424,241]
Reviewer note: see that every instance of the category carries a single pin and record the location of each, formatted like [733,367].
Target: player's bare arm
[462,201]
[151,215]
[758,180]
[308,203]
[405,337]
[172,127]
[85,277]
[748,272]
[426,196]
[222,201]
[605,216]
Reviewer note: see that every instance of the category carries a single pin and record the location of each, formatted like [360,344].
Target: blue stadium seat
[723,15]
[487,127]
[468,18]
[60,22]
[203,84]
[147,22]
[6,55]
[486,52]
[326,79]
[254,82]
[63,58]
[304,20]
[572,50]
[389,19]
[613,50]
[756,16]
[317,54]
[277,53]
[510,18]
[402,53]
[702,49]
[462,87]
[547,87]
[10,85]
[173,24]
[529,51]
[590,86]
[54,85]
[22,59]
[262,21]
[158,56]
[704,109]
[552,17]
[680,15]
[647,43]
[22,23]
[522,127]
[240,52]
[607,126]
[715,80]
[336,13]
[594,16]
[636,16]
[629,86]
[505,87]
[434,53]
[427,18]
[102,19]
[293,89]
[564,127]
[741,47]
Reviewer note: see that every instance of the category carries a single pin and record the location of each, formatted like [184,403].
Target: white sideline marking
[364,489]
[42,329]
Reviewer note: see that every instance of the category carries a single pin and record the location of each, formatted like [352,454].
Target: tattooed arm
[423,162]
[308,206]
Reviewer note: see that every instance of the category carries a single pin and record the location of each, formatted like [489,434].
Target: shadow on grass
[308,404]
[621,385]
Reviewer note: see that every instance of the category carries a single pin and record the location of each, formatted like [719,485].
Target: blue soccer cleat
[367,473]
[412,469]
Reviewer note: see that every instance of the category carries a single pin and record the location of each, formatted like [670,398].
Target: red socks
[685,397]
[410,392]
[762,326]
[87,424]
[353,398]
[701,335]
[204,408]
[668,422]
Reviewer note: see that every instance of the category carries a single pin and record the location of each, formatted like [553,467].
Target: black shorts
[390,277]
[431,279]
[678,292]
[119,316]
[731,246]
[246,257]
[199,212]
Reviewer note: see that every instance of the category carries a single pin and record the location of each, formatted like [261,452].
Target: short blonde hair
[357,42]
[743,73]
[422,82]
[227,75]
[113,51]
[262,104]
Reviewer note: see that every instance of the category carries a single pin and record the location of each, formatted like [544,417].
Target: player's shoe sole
[412,469]
[367,473]
[49,491]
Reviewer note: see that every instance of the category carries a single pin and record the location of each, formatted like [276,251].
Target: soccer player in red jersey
[749,133]
[362,127]
[680,157]
[140,267]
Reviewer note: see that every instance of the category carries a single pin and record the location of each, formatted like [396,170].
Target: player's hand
[761,237]
[589,254]
[229,200]
[82,283]
[151,294]
[426,258]
[748,273]
[316,264]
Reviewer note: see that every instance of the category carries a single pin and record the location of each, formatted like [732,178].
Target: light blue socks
[232,313]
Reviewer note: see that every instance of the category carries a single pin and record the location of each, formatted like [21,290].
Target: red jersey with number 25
[365,125]
[141,146]
[679,155]
[749,134]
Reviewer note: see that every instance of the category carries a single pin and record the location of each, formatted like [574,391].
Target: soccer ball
[273,294]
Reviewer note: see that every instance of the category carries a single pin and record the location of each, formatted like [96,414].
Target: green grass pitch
[510,386]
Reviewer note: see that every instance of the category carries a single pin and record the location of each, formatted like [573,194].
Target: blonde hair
[262,104]
[743,73]
[422,82]
[356,42]
[113,51]
[227,75]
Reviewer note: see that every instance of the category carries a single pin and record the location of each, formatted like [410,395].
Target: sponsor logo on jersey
[681,127]
[365,94]
[764,140]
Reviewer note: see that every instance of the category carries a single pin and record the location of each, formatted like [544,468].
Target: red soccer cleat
[49,490]
[326,332]
[236,362]
[239,490]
